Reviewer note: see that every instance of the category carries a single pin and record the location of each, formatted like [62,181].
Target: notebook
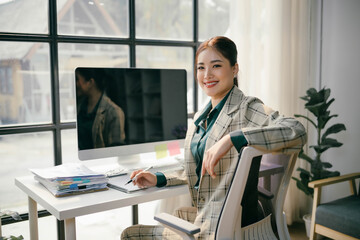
[119,182]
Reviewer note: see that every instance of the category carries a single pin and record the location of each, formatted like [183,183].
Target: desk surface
[77,205]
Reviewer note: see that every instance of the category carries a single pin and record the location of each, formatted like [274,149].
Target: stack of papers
[69,179]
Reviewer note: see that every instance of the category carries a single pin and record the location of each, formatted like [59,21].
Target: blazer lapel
[225,117]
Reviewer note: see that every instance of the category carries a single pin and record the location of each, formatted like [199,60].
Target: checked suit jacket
[262,127]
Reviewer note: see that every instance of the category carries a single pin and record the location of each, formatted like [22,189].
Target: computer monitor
[127,111]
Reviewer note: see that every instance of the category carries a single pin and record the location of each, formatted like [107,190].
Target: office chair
[229,224]
[338,219]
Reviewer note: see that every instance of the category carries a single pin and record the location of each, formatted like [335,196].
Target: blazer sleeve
[175,178]
[268,131]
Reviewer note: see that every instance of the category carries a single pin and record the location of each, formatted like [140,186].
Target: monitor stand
[130,161]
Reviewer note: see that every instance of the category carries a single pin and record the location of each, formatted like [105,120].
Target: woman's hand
[144,179]
[214,154]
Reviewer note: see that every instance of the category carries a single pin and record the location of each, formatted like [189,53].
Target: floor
[297,231]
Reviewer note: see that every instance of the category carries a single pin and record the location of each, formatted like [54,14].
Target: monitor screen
[126,111]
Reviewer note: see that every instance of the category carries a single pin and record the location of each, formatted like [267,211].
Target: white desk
[67,208]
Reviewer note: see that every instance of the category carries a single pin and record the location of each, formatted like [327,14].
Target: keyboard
[116,172]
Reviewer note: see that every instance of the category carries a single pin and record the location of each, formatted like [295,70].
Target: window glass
[93,18]
[69,149]
[47,227]
[104,225]
[25,96]
[23,16]
[164,19]
[73,55]
[213,18]
[169,57]
[19,152]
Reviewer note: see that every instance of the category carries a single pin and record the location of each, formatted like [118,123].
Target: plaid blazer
[263,128]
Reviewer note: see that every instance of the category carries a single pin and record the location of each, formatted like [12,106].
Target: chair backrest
[229,224]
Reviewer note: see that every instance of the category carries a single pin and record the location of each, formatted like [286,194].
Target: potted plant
[15,216]
[317,102]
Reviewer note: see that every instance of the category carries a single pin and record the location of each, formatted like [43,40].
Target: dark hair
[97,74]
[224,46]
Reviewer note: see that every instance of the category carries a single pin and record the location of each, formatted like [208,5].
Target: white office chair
[229,224]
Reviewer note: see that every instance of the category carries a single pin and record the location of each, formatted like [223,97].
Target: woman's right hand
[144,179]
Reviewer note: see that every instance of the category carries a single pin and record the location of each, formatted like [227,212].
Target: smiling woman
[216,75]
[37,90]
[213,142]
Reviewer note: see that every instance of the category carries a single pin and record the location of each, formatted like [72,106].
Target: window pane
[23,16]
[47,228]
[25,96]
[73,55]
[19,152]
[69,149]
[169,57]
[164,19]
[213,18]
[93,18]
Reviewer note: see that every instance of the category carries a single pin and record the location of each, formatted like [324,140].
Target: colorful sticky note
[161,151]
[174,148]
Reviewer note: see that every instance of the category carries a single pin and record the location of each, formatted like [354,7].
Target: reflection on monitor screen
[126,111]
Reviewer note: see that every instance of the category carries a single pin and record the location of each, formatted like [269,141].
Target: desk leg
[267,183]
[70,231]
[135,214]
[33,219]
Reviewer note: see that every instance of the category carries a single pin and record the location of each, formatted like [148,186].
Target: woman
[229,122]
[97,116]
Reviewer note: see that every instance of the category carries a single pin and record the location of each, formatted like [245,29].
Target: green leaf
[316,169]
[327,174]
[334,129]
[329,103]
[302,155]
[314,108]
[327,92]
[306,98]
[303,187]
[305,173]
[302,116]
[326,164]
[324,119]
[311,92]
[330,142]
[320,149]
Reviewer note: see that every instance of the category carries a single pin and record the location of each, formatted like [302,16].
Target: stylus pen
[134,178]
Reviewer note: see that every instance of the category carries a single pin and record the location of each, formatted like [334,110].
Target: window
[164,19]
[43,41]
[6,85]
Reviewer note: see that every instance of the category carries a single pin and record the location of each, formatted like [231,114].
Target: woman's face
[82,86]
[215,75]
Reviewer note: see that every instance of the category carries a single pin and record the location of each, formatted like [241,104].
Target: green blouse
[200,137]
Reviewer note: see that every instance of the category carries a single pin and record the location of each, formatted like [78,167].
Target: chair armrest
[332,180]
[177,223]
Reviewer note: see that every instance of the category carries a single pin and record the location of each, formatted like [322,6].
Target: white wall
[340,71]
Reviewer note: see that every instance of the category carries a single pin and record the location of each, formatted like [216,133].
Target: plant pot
[307,220]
